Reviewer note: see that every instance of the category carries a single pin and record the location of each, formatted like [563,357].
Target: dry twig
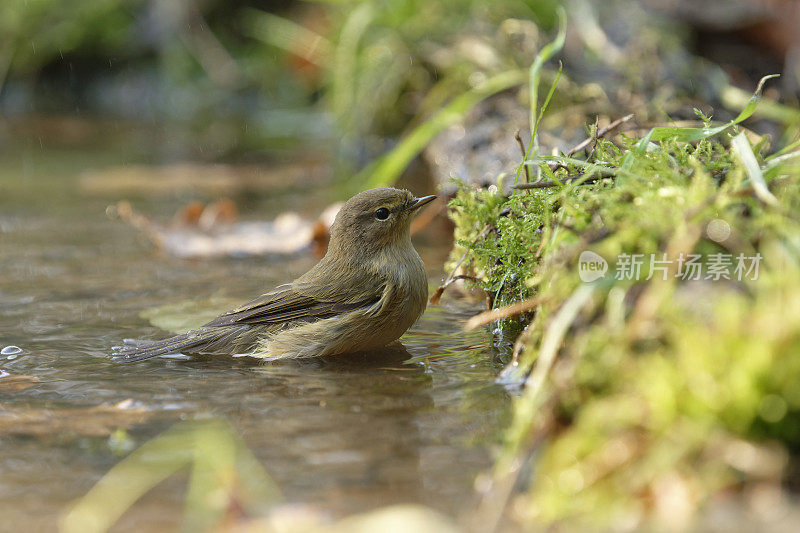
[487,317]
[599,134]
[524,153]
[544,184]
[434,300]
[438,294]
[124,210]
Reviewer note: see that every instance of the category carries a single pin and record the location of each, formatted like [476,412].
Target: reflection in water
[344,434]
[225,480]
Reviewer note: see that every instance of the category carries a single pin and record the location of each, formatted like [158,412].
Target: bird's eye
[382,213]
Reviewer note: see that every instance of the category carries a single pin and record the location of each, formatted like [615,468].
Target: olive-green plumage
[365,293]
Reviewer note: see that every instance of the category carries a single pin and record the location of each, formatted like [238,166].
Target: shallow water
[343,435]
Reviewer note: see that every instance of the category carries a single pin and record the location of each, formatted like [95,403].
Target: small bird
[365,293]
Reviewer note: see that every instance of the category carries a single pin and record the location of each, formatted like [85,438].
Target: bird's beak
[419,202]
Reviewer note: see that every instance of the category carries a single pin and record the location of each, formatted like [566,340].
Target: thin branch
[601,173]
[524,156]
[125,212]
[554,335]
[492,507]
[438,294]
[487,317]
[434,300]
[594,139]
[600,134]
[204,46]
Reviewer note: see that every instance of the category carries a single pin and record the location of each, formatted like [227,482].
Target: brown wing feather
[298,301]
[306,300]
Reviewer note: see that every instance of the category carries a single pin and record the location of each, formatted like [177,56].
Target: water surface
[343,435]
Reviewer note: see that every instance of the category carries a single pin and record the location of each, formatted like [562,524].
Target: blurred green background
[247,76]
[346,79]
[360,88]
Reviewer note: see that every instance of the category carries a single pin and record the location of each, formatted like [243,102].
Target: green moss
[658,384]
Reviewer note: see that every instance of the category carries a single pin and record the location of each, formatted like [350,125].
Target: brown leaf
[199,232]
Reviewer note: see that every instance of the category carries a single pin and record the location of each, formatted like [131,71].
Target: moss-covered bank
[673,377]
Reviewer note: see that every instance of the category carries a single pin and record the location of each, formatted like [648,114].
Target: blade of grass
[531,146]
[783,151]
[680,134]
[554,336]
[386,170]
[211,484]
[733,97]
[754,100]
[778,162]
[741,147]
[346,60]
[534,75]
[535,391]
[544,55]
[230,466]
[638,149]
[126,482]
[287,35]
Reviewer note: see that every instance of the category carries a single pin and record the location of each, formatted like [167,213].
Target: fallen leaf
[288,234]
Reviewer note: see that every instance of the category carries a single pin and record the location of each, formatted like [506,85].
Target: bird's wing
[227,332]
[301,301]
[305,300]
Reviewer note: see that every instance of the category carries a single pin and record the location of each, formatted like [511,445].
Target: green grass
[635,387]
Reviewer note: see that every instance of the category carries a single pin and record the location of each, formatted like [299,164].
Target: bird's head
[374,219]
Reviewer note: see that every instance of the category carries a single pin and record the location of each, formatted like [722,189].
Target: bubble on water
[3,373]
[11,350]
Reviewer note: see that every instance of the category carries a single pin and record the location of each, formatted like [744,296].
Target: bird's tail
[193,341]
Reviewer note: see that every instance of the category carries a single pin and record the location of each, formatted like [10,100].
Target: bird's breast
[403,299]
[406,283]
